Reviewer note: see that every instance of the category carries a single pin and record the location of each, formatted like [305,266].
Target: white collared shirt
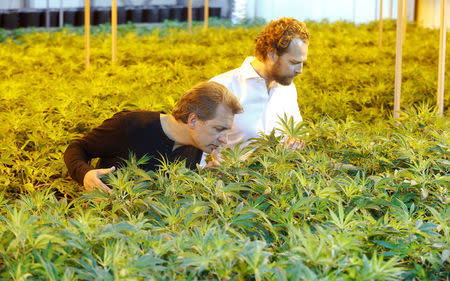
[261,107]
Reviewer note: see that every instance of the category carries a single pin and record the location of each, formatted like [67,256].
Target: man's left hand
[215,158]
[294,144]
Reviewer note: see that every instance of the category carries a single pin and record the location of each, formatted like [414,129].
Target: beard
[283,80]
[276,75]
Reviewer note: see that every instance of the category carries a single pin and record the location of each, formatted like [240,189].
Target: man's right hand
[92,179]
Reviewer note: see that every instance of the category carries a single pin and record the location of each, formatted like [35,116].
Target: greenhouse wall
[39,4]
[429,13]
[425,12]
[99,3]
[349,10]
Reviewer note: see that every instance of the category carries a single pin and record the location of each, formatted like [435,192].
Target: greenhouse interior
[224,140]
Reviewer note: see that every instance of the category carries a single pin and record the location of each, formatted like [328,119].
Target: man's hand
[212,163]
[215,158]
[294,143]
[92,179]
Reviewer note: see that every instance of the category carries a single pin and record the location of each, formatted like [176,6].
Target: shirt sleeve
[221,79]
[226,79]
[106,140]
[292,108]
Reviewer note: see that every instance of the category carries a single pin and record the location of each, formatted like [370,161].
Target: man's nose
[223,139]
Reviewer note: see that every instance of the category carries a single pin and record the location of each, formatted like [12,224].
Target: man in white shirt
[263,84]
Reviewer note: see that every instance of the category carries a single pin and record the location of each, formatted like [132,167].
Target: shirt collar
[247,70]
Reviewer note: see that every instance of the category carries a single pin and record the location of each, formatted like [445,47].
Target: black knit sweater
[139,132]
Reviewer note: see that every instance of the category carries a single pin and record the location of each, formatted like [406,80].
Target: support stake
[380,25]
[189,15]
[398,60]
[405,19]
[441,73]
[87,30]
[206,13]
[114,30]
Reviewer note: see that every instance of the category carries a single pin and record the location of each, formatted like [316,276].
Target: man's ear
[192,120]
[273,56]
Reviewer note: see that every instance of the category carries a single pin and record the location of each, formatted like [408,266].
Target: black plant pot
[198,13]
[184,14]
[69,16]
[102,16]
[164,13]
[29,17]
[214,12]
[176,13]
[134,14]
[150,14]
[121,15]
[10,19]
[54,18]
[79,17]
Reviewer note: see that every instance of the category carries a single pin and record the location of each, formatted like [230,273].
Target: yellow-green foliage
[367,199]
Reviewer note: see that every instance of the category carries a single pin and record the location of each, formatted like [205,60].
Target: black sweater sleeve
[107,140]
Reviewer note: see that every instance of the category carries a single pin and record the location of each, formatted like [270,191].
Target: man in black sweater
[199,122]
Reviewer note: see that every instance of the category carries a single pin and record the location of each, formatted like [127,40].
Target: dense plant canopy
[367,199]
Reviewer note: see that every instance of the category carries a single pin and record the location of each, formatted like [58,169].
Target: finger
[291,142]
[299,144]
[302,144]
[103,186]
[212,164]
[106,171]
[106,188]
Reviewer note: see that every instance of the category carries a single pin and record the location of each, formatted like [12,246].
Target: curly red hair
[278,35]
